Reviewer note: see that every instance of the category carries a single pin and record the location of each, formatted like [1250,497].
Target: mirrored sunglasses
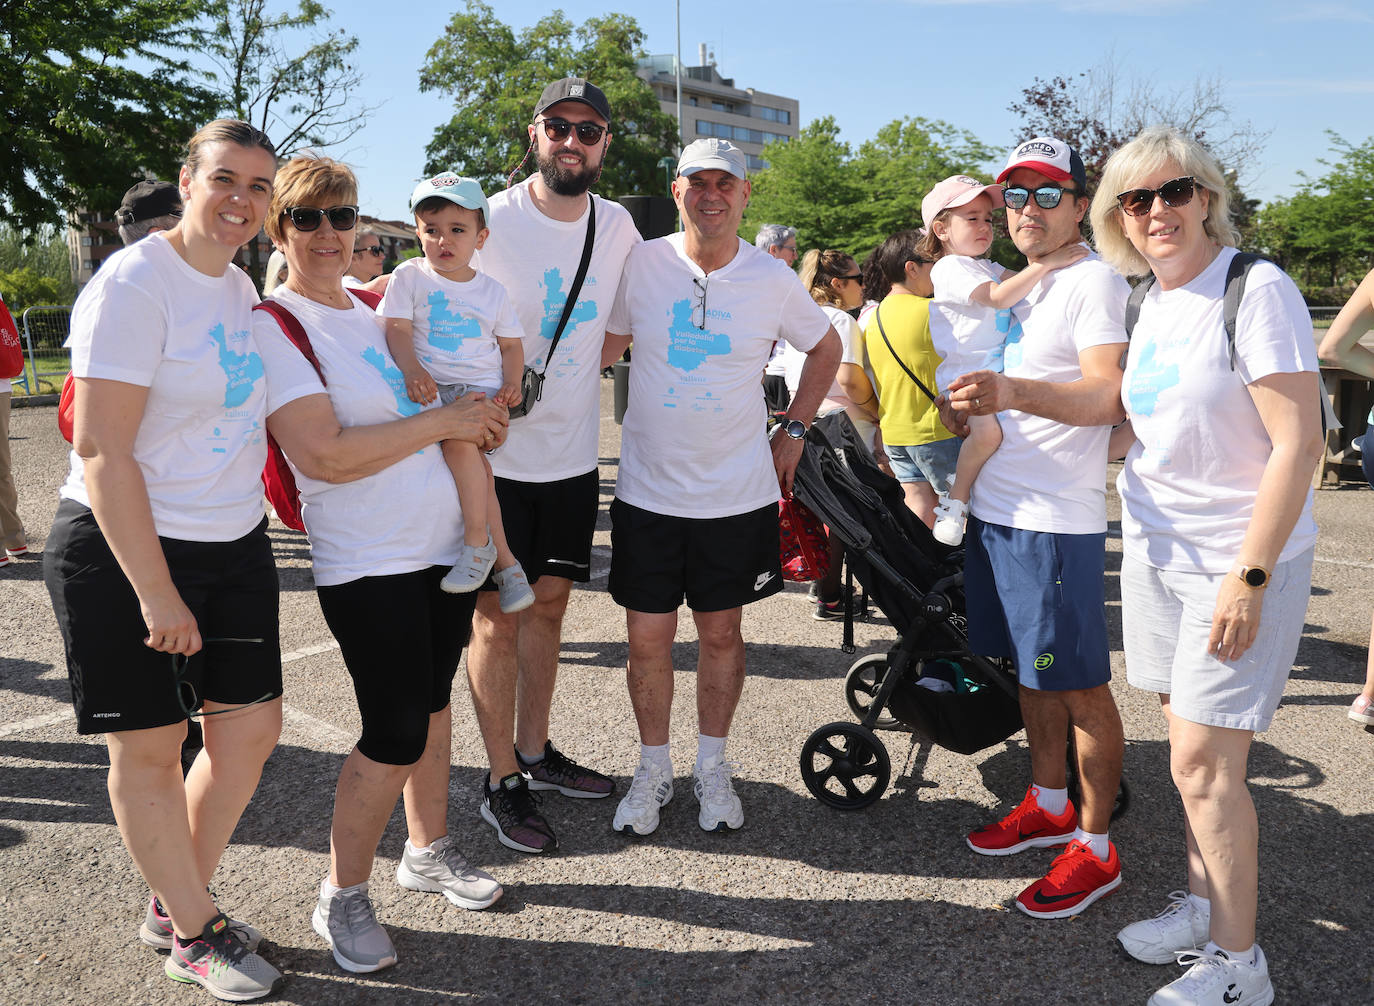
[1046,196]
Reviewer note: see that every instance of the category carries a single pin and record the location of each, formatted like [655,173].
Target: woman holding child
[385,526]
[1217,532]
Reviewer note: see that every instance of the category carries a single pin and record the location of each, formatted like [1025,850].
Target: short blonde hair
[309,180]
[1154,147]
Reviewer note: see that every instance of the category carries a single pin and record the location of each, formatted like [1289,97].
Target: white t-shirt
[694,442]
[968,336]
[455,325]
[397,520]
[148,318]
[535,258]
[1189,483]
[852,341]
[352,282]
[1048,476]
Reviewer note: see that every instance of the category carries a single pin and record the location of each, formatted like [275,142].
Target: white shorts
[1166,617]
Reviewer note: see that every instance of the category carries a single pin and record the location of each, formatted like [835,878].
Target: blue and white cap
[455,188]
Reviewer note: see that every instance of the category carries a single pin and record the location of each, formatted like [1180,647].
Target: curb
[32,401]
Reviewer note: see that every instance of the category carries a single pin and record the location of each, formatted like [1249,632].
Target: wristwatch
[795,429]
[1255,577]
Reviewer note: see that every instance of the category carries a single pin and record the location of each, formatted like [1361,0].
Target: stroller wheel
[861,686]
[845,766]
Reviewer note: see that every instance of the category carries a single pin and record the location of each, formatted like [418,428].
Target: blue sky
[1293,69]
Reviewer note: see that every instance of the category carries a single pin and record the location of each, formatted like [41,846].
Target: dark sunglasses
[309,218]
[857,277]
[699,284]
[186,692]
[1175,193]
[588,133]
[1046,196]
[370,249]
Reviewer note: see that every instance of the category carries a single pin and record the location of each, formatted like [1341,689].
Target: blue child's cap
[455,188]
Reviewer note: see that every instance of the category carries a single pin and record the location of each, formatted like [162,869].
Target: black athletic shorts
[716,563]
[549,525]
[117,682]
[401,637]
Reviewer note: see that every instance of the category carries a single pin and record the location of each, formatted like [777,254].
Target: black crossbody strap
[577,282]
[878,316]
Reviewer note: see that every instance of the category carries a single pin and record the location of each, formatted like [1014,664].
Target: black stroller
[918,583]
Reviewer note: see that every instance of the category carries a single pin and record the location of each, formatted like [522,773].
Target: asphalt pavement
[804,904]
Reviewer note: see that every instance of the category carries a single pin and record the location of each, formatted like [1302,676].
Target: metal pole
[678,67]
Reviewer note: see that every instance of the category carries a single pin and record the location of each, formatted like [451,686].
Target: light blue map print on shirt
[1010,352]
[373,357]
[689,346]
[241,370]
[447,328]
[554,300]
[1149,379]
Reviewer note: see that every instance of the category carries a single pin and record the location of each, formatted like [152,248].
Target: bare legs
[513,660]
[921,500]
[477,499]
[1098,738]
[649,672]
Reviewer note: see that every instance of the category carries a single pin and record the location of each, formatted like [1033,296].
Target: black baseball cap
[575,89]
[148,199]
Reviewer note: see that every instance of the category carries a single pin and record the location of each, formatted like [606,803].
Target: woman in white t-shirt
[158,565]
[1217,531]
[382,513]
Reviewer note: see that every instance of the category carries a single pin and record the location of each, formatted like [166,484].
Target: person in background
[276,272]
[1341,347]
[365,267]
[780,242]
[1217,535]
[13,542]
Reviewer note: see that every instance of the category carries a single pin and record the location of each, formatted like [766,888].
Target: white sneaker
[441,869]
[1216,980]
[651,789]
[949,521]
[720,808]
[1181,926]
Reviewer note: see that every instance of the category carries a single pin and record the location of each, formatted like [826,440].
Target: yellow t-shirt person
[905,414]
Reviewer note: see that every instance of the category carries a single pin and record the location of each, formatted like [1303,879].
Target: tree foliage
[495,76]
[1323,235]
[289,73]
[96,95]
[851,200]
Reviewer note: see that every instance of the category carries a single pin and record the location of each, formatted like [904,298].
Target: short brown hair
[309,180]
[226,131]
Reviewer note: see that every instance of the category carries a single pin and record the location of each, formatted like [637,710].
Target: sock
[1200,906]
[1099,844]
[656,754]
[708,748]
[530,759]
[1052,801]
[328,890]
[1239,956]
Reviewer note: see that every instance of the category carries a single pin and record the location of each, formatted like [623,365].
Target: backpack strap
[1134,301]
[369,297]
[291,327]
[1236,274]
[878,316]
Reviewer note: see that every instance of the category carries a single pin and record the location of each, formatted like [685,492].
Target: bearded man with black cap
[559,251]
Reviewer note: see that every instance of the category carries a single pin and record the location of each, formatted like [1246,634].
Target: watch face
[796,429]
[1256,577]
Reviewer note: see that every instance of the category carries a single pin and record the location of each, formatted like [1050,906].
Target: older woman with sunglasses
[159,567]
[1217,532]
[382,514]
[365,267]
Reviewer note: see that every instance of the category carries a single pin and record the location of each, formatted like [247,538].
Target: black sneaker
[513,811]
[833,611]
[557,771]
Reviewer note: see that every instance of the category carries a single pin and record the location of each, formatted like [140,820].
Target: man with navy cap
[546,473]
[695,514]
[1036,543]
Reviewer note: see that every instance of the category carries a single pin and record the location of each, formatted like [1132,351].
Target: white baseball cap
[708,153]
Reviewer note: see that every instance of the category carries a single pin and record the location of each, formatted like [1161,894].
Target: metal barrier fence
[45,332]
[1322,317]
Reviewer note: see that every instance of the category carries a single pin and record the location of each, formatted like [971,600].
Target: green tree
[495,76]
[81,122]
[42,252]
[26,287]
[289,74]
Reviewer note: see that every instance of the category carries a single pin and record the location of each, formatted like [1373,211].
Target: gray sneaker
[515,592]
[156,930]
[441,869]
[347,921]
[221,964]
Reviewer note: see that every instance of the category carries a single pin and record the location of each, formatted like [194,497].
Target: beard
[566,181]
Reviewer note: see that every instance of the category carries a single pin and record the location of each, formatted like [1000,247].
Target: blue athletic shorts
[1038,597]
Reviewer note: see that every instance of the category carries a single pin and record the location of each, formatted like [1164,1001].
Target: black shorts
[117,682]
[549,525]
[401,637]
[717,563]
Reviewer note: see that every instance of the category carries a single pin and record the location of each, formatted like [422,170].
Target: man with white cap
[1036,542]
[546,472]
[695,513]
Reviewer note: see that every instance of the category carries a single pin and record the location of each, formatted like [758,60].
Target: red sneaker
[1026,827]
[1076,879]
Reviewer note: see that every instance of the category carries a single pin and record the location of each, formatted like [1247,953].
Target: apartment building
[713,106]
